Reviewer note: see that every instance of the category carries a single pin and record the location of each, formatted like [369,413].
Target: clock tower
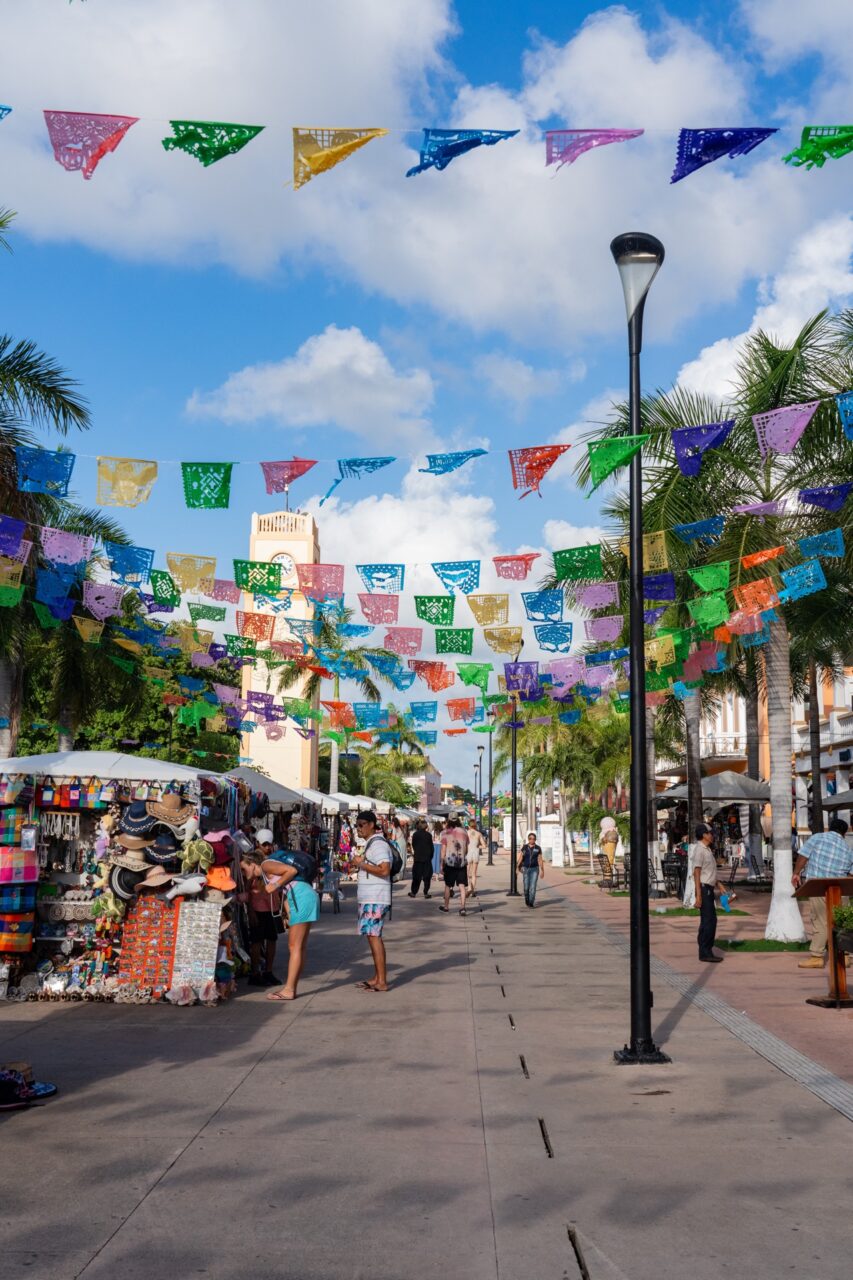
[286,538]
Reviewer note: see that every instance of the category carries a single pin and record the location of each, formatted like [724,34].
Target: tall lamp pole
[480,749]
[638,257]
[513,839]
[476,788]
[490,861]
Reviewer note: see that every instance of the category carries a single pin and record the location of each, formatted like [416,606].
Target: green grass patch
[669,912]
[620,893]
[758,944]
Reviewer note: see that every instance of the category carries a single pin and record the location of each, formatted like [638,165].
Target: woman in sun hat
[295,873]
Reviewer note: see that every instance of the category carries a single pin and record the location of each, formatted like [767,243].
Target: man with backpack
[454,859]
[376,868]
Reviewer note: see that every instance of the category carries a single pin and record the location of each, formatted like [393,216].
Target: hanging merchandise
[489,610]
[124,482]
[440,146]
[712,577]
[458,575]
[209,140]
[436,610]
[315,150]
[43,471]
[579,564]
[543,606]
[779,430]
[355,468]
[530,466]
[698,147]
[564,146]
[554,637]
[515,568]
[607,456]
[829,497]
[439,464]
[279,476]
[691,443]
[820,143]
[80,141]
[454,639]
[207,485]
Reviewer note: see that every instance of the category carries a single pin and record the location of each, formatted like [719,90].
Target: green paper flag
[454,639]
[579,564]
[606,456]
[437,610]
[241,646]
[712,577]
[207,612]
[622,706]
[656,682]
[10,596]
[207,485]
[494,699]
[124,664]
[163,587]
[209,140]
[483,728]
[476,673]
[339,738]
[820,143]
[257,576]
[709,611]
[45,617]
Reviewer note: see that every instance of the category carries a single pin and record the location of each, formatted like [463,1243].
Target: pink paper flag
[80,141]
[567,671]
[321,581]
[65,548]
[379,609]
[516,568]
[224,589]
[278,476]
[102,599]
[404,640]
[779,430]
[563,146]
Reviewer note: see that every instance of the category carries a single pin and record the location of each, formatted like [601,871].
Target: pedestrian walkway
[469,1124]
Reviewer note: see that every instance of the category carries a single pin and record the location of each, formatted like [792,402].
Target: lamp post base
[643,1054]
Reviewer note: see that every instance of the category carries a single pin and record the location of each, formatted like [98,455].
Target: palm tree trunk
[67,730]
[692,718]
[11,679]
[814,748]
[784,922]
[568,845]
[753,767]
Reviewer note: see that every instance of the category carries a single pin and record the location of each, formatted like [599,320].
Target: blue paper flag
[658,586]
[698,147]
[756,638]
[384,663]
[830,544]
[651,617]
[43,471]
[402,680]
[605,655]
[570,717]
[690,444]
[554,637]
[370,715]
[438,464]
[4,110]
[679,688]
[424,712]
[11,535]
[428,737]
[459,575]
[543,606]
[355,630]
[440,146]
[385,579]
[191,684]
[355,468]
[844,401]
[703,531]
[218,651]
[830,497]
[274,604]
[803,580]
[52,588]
[129,564]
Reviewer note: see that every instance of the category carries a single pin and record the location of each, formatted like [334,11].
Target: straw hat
[155,879]
[171,809]
[129,861]
[133,843]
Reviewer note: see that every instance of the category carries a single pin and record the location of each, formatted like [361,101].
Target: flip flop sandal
[463,911]
[42,1089]
[279,998]
[364,986]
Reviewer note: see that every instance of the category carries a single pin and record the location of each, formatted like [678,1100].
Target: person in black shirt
[422,851]
[531,866]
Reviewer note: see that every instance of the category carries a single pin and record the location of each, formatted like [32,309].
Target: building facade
[428,787]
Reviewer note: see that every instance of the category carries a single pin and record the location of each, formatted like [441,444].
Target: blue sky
[368,313]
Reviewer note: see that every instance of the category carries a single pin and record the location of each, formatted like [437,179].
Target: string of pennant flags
[80,141]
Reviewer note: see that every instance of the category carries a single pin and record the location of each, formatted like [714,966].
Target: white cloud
[560,534]
[595,412]
[337,377]
[817,274]
[510,379]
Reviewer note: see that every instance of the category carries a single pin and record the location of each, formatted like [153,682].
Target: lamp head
[639,257]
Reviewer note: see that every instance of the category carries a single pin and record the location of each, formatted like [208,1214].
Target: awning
[279,796]
[363,802]
[726,787]
[328,804]
[110,765]
[843,800]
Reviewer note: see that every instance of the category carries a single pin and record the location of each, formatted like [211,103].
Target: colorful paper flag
[712,577]
[820,143]
[458,575]
[476,673]
[440,146]
[503,639]
[829,497]
[64,548]
[257,575]
[103,599]
[554,637]
[385,579]
[209,140]
[90,630]
[490,610]
[454,639]
[192,573]
[579,564]
[779,430]
[44,470]
[698,147]
[543,606]
[124,482]
[321,581]
[316,150]
[436,610]
[403,640]
[530,466]
[129,564]
[516,567]
[704,532]
[564,146]
[439,464]
[691,443]
[830,543]
[379,609]
[80,140]
[355,468]
[279,476]
[606,456]
[207,485]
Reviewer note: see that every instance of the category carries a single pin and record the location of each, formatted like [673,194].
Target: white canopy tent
[102,764]
[328,804]
[279,796]
[363,802]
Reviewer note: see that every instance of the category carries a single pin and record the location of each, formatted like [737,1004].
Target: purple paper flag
[698,147]
[658,586]
[521,677]
[61,547]
[201,660]
[11,536]
[779,430]
[690,444]
[760,508]
[651,617]
[103,599]
[605,629]
[598,595]
[224,589]
[563,146]
[226,693]
[831,497]
[566,672]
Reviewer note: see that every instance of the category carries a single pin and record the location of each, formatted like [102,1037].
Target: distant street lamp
[491,861]
[638,257]
[476,786]
[480,750]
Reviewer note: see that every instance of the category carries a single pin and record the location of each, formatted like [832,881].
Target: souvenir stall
[117,884]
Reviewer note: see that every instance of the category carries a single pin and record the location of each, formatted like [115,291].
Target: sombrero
[123,882]
[171,810]
[155,879]
[129,861]
[133,843]
[162,850]
[136,820]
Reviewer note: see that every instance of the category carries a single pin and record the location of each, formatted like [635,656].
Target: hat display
[221,878]
[123,882]
[163,849]
[170,810]
[136,820]
[130,861]
[155,879]
[133,843]
[187,886]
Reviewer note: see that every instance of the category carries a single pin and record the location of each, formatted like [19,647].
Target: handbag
[16,932]
[18,866]
[18,897]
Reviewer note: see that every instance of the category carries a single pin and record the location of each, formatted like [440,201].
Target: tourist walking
[436,848]
[531,865]
[422,855]
[293,873]
[824,856]
[476,847]
[454,856]
[705,882]
[373,893]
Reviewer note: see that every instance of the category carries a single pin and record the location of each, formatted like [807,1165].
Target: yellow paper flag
[655,556]
[89,629]
[503,639]
[125,482]
[489,609]
[660,652]
[192,573]
[316,150]
[11,572]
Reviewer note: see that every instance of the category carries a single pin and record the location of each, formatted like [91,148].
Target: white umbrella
[102,764]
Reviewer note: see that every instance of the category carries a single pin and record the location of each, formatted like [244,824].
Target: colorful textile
[564,146]
[379,609]
[515,568]
[554,637]
[103,599]
[257,575]
[129,564]
[530,466]
[476,673]
[709,611]
[209,140]
[607,456]
[321,581]
[318,150]
[424,712]
[164,588]
[44,470]
[192,573]
[761,557]
[698,147]
[60,547]
[355,468]
[440,146]
[454,639]
[712,577]
[830,544]
[705,532]
[820,143]
[439,464]
[90,630]
[490,610]
[437,610]
[458,575]
[659,586]
[690,443]
[279,476]
[124,482]
[779,430]
[382,578]
[543,606]
[604,629]
[406,641]
[579,564]
[80,140]
[207,485]
[830,497]
[503,639]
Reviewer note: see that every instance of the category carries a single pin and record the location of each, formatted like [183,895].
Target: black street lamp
[480,750]
[490,862]
[513,839]
[638,257]
[476,789]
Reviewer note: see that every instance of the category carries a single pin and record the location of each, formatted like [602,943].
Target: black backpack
[396,859]
[304,864]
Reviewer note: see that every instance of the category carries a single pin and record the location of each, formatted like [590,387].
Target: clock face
[288,565]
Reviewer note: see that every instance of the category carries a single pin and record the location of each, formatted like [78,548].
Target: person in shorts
[373,893]
[476,847]
[263,909]
[292,873]
[454,860]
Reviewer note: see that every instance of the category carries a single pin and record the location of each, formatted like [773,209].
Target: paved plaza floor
[468,1125]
